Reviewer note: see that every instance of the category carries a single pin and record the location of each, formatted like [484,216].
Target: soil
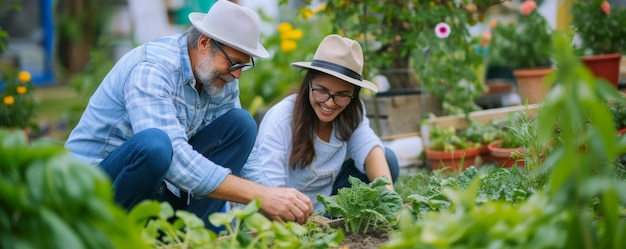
[370,240]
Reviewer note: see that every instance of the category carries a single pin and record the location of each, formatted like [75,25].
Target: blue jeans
[348,169]
[138,167]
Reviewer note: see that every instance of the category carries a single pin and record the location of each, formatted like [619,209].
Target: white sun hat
[233,25]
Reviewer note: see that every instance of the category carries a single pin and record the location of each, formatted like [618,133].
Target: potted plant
[482,134]
[448,150]
[507,151]
[519,144]
[524,45]
[602,37]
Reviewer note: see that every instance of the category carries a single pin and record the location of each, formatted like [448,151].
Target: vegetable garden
[572,195]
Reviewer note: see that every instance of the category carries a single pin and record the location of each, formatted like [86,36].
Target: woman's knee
[392,161]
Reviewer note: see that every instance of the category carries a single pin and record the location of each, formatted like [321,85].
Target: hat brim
[361,83]
[196,19]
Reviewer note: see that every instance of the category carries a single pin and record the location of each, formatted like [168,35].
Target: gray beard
[207,77]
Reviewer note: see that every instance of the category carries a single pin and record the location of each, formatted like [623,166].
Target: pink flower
[486,35]
[484,40]
[442,30]
[527,7]
[606,7]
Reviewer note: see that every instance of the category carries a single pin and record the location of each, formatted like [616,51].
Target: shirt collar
[187,73]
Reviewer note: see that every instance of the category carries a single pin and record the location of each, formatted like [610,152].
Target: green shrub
[50,200]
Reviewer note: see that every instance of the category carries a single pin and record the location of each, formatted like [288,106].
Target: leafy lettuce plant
[425,189]
[534,223]
[364,207]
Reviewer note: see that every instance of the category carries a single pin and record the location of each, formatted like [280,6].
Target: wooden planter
[399,112]
[454,161]
[502,156]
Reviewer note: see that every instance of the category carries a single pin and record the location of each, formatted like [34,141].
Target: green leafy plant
[480,133]
[18,100]
[165,228]
[423,190]
[524,43]
[447,139]
[364,207]
[245,228]
[501,184]
[531,224]
[599,27]
[512,132]
[617,107]
[448,69]
[51,200]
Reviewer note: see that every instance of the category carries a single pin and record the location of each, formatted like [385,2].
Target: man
[166,122]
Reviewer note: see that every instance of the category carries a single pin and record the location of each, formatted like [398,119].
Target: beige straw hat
[339,57]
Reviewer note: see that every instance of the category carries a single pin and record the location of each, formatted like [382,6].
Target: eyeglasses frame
[330,95]
[234,66]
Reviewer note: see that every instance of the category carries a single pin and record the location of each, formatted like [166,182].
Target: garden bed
[370,240]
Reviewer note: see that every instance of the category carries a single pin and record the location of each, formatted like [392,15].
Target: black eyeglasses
[234,66]
[322,95]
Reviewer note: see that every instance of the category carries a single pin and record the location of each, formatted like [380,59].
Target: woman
[314,139]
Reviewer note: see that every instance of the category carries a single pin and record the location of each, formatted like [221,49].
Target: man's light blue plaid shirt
[153,87]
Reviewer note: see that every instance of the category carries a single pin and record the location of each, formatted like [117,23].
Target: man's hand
[276,203]
[286,204]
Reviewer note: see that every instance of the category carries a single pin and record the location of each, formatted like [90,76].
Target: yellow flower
[294,34]
[306,12]
[9,100]
[23,76]
[288,45]
[284,27]
[21,89]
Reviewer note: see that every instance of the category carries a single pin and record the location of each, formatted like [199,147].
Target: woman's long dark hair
[304,121]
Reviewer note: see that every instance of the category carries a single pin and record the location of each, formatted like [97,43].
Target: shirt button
[191,127]
[197,107]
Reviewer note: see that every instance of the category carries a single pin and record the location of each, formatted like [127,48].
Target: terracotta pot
[451,159]
[530,83]
[485,155]
[605,66]
[502,156]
